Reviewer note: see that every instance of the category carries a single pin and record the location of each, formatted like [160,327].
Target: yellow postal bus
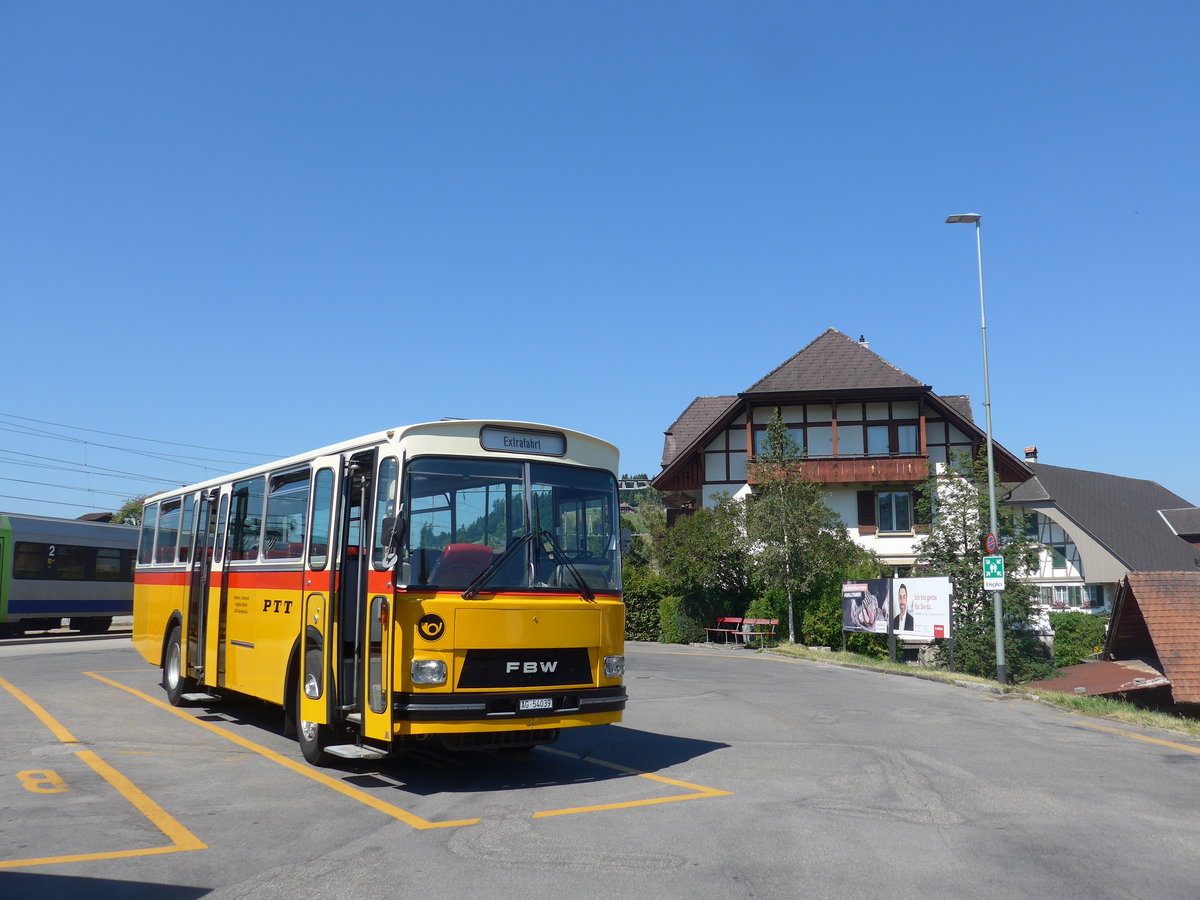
[458,581]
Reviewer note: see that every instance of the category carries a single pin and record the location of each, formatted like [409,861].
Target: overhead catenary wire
[55,502]
[65,487]
[132,437]
[177,458]
[82,468]
[30,428]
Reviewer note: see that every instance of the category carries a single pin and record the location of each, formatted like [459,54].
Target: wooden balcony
[865,470]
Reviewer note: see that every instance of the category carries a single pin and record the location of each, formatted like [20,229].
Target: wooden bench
[733,629]
[726,626]
[759,628]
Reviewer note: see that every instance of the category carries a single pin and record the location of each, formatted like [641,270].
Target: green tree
[644,591]
[956,502]
[131,512]
[1077,636]
[798,546]
[704,559]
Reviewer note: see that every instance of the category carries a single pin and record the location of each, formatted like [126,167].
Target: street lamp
[969,219]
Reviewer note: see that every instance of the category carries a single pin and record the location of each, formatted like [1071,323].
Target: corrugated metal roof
[1103,677]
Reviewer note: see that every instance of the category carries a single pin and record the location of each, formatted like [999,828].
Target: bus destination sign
[517,440]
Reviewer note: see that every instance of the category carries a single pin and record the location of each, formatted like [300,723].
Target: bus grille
[525,668]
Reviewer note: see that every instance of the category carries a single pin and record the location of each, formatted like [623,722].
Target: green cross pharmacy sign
[993,573]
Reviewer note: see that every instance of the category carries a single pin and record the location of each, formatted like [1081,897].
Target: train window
[70,562]
[29,560]
[287,516]
[245,524]
[36,561]
[168,531]
[146,543]
[113,564]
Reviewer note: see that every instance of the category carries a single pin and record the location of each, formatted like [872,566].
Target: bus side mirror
[626,540]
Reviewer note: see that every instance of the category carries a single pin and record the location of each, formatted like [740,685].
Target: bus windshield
[486,525]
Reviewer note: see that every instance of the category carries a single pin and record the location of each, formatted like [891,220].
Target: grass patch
[1093,707]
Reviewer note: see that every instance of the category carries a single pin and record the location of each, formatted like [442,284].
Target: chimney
[862,340]
[1031,454]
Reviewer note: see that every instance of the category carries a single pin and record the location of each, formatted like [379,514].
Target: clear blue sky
[270,226]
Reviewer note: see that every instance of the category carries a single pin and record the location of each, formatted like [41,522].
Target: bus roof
[456,437]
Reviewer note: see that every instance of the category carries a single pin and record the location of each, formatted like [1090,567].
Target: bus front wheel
[174,681]
[313,738]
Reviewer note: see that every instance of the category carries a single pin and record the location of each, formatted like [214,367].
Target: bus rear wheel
[174,681]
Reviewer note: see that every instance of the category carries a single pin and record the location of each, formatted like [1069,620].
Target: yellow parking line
[411,819]
[44,717]
[1135,736]
[181,839]
[341,787]
[699,792]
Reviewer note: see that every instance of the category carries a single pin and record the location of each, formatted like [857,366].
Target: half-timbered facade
[869,431]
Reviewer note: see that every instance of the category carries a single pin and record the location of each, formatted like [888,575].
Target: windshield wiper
[580,582]
[481,579]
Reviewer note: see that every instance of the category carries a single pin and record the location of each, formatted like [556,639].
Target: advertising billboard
[915,608]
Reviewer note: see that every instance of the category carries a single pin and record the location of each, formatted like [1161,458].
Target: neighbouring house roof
[692,422]
[1120,513]
[833,362]
[1184,522]
[961,404]
[1160,610]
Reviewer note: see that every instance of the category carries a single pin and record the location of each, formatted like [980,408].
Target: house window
[895,511]
[877,440]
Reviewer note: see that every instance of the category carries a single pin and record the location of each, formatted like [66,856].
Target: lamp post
[969,219]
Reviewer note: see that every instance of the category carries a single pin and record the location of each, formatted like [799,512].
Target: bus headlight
[614,666]
[428,671]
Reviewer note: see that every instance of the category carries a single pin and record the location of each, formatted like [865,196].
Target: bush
[771,605]
[643,592]
[675,624]
[1077,636]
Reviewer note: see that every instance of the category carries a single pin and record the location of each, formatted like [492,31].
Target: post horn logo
[431,627]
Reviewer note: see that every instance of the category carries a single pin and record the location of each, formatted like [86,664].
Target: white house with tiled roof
[1095,528]
[870,432]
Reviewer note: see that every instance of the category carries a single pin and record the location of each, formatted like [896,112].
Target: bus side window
[246,522]
[222,516]
[146,541]
[168,531]
[185,529]
[385,509]
[287,513]
[322,516]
